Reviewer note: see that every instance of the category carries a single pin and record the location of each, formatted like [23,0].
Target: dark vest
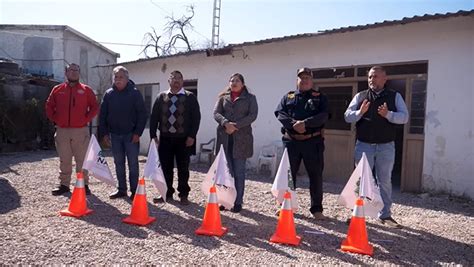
[373,128]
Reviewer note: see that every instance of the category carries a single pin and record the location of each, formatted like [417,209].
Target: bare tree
[152,40]
[181,25]
[175,29]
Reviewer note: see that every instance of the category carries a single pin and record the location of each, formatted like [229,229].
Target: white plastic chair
[268,157]
[207,149]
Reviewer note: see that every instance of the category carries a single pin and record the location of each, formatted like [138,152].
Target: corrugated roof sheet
[384,23]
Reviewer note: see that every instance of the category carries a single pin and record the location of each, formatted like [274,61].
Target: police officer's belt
[301,137]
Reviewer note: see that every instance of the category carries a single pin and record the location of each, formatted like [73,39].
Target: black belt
[301,137]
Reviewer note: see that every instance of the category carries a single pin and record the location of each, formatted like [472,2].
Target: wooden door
[339,135]
[412,164]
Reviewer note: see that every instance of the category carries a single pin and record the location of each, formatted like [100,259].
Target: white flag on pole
[153,170]
[219,175]
[281,182]
[362,184]
[96,164]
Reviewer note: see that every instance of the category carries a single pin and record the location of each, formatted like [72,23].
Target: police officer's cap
[304,71]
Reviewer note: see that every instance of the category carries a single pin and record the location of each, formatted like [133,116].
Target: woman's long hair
[227,88]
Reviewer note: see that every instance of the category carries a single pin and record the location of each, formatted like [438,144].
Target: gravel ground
[438,230]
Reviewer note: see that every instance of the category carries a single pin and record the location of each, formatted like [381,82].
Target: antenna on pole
[216,17]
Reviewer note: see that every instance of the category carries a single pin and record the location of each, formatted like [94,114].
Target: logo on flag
[153,170]
[284,182]
[96,164]
[219,175]
[362,184]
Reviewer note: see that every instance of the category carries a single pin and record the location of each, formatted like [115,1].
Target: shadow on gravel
[449,204]
[170,224]
[10,199]
[167,221]
[258,234]
[107,216]
[454,205]
[415,247]
[7,160]
[404,246]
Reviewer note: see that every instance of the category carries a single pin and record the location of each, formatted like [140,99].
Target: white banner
[280,184]
[362,184]
[219,175]
[153,170]
[96,164]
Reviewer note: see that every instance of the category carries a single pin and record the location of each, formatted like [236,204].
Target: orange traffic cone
[211,223]
[357,240]
[78,204]
[286,232]
[139,214]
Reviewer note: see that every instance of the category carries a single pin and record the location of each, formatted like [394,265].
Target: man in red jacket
[71,106]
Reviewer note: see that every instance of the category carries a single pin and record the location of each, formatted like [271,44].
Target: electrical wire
[21,59]
[69,39]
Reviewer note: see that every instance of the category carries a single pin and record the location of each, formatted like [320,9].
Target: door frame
[350,134]
[407,184]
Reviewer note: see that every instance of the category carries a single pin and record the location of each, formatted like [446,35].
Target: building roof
[13,27]
[227,49]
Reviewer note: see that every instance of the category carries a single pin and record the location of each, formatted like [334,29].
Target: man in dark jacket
[122,121]
[176,114]
[71,106]
[303,114]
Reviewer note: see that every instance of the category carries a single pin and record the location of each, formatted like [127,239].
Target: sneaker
[118,194]
[390,222]
[221,208]
[61,189]
[318,215]
[86,188]
[236,208]
[184,201]
[160,199]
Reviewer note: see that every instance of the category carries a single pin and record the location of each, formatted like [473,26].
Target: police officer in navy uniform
[303,114]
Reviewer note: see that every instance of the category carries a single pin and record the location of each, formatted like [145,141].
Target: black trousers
[311,152]
[171,148]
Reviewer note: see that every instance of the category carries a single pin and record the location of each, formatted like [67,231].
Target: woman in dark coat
[235,110]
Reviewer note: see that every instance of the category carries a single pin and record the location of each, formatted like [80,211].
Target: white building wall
[95,56]
[449,139]
[49,50]
[270,72]
[21,46]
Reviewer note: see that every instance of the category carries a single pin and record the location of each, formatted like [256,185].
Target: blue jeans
[237,170]
[122,147]
[383,156]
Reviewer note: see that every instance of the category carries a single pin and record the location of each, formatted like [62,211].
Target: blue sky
[126,21]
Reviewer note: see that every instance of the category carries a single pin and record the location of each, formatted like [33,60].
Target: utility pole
[216,17]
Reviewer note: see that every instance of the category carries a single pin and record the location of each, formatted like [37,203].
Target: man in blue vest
[376,111]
